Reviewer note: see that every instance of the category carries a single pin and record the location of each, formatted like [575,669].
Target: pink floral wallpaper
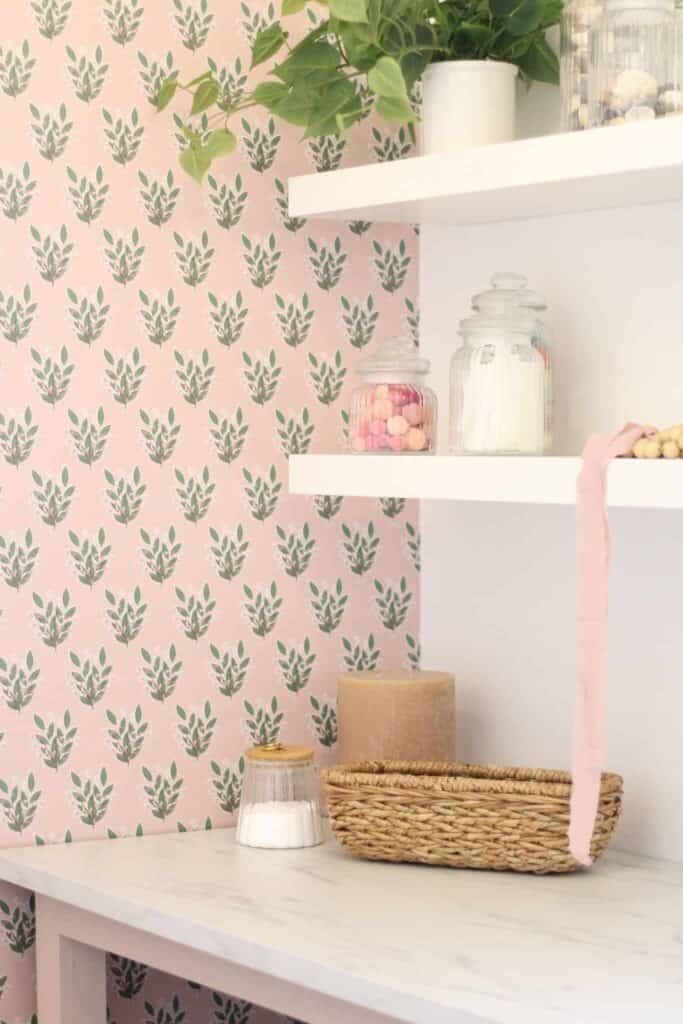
[163,349]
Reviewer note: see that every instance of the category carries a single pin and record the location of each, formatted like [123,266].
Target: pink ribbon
[593,569]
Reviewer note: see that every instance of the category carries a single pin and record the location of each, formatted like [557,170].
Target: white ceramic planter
[467,103]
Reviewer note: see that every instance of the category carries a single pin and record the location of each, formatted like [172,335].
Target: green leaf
[386,79]
[293,6]
[552,12]
[296,105]
[166,93]
[526,17]
[340,98]
[512,48]
[195,160]
[360,45]
[206,95]
[349,115]
[540,63]
[349,10]
[220,142]
[269,94]
[413,66]
[309,55]
[267,43]
[470,36]
[199,78]
[395,110]
[503,8]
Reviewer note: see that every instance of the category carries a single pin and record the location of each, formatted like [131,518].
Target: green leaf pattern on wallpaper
[165,350]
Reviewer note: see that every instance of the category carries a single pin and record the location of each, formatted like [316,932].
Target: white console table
[333,940]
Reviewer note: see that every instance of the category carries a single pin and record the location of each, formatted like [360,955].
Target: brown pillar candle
[396,715]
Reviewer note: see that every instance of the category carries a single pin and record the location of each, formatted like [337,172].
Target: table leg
[71,976]
[71,945]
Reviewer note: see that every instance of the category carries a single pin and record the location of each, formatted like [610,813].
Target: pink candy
[390,417]
[382,409]
[413,413]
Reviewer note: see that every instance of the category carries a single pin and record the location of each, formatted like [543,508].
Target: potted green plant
[370,54]
[469,84]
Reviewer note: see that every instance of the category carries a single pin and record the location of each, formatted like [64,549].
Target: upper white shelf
[605,167]
[632,483]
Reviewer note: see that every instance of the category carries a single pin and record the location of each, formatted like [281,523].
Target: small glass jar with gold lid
[280,806]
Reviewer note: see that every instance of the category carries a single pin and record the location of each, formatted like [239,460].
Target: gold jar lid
[280,754]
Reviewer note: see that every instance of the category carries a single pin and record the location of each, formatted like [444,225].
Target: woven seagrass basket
[462,815]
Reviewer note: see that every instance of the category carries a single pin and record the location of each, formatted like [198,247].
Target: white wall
[498,592]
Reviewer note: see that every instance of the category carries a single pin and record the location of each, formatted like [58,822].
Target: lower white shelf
[550,480]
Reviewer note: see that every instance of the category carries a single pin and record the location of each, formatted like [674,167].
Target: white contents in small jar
[280,824]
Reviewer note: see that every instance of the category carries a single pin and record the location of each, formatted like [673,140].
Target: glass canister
[578,19]
[280,805]
[392,409]
[632,70]
[498,379]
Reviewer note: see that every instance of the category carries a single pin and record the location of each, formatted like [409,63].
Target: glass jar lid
[277,753]
[502,296]
[529,299]
[394,355]
[500,308]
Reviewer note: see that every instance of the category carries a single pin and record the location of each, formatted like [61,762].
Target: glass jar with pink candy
[393,411]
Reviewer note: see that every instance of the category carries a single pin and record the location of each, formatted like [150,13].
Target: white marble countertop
[426,945]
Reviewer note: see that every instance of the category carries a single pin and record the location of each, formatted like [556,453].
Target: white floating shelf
[632,483]
[605,167]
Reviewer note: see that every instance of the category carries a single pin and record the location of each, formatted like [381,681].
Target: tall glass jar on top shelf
[632,69]
[578,19]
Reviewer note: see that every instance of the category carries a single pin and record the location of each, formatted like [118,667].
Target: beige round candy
[675,433]
[397,425]
[416,439]
[640,448]
[663,435]
[653,449]
[670,450]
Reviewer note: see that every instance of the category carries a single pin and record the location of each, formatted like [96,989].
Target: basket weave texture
[462,815]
